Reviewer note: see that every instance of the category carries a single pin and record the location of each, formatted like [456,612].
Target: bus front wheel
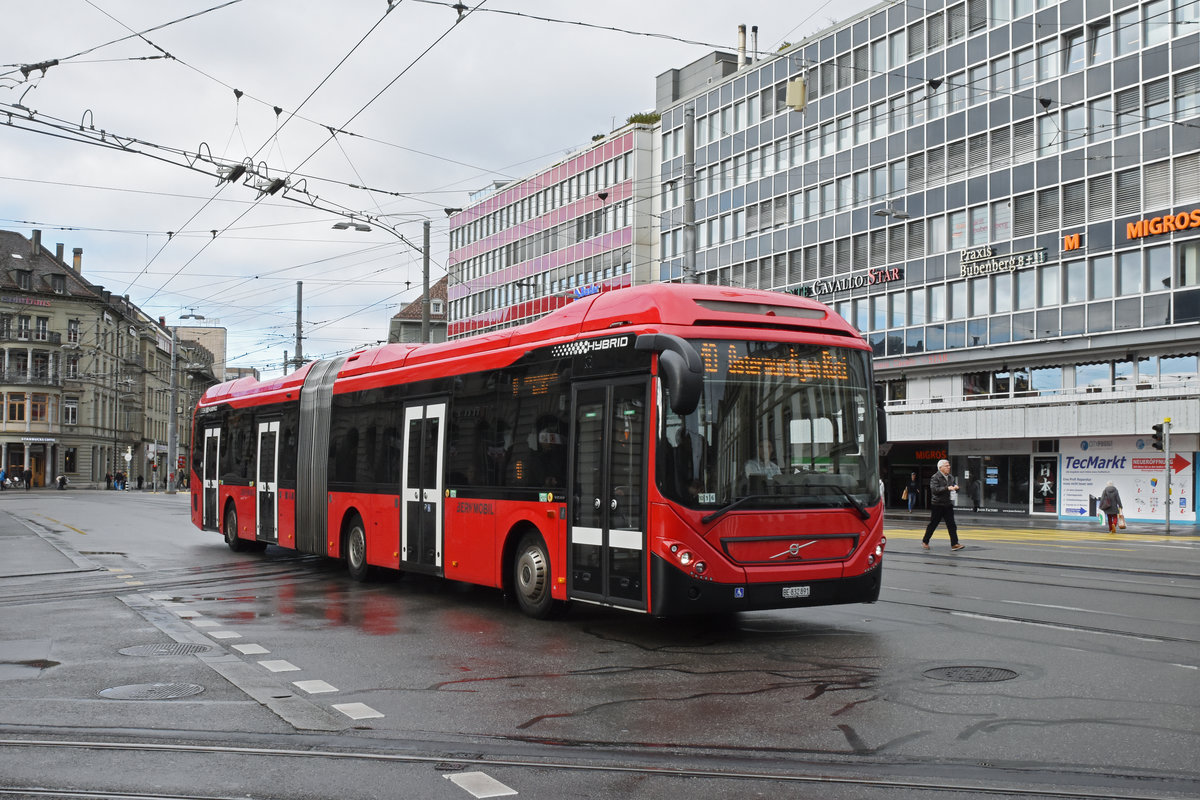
[356,550]
[532,576]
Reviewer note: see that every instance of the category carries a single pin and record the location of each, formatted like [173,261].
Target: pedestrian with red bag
[1110,504]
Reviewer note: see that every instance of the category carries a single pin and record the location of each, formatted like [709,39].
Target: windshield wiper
[859,507]
[723,510]
[720,512]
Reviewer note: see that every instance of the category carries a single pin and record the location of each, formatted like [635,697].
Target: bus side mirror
[680,368]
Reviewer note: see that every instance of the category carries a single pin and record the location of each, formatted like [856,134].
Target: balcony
[31,337]
[1078,412]
[36,377]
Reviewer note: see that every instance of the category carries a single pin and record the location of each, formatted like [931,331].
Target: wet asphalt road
[1037,662]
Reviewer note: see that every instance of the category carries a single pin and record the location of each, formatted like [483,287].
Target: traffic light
[1157,441]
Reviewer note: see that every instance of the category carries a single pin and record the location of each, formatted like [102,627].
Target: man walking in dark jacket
[941,505]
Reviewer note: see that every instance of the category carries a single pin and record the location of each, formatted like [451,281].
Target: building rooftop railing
[1140,392]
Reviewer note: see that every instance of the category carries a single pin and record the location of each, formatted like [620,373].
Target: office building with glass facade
[584,225]
[1004,197]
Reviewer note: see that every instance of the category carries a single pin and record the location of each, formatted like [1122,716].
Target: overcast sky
[425,109]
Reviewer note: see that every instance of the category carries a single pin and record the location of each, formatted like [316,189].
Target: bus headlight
[685,558]
[700,567]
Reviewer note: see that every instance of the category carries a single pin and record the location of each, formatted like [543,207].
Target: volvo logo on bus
[589,346]
[793,549]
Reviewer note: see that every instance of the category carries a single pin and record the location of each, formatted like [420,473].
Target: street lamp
[350,224]
[424,251]
[890,210]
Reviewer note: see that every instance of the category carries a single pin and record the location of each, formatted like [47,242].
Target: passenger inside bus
[549,456]
[761,470]
[764,465]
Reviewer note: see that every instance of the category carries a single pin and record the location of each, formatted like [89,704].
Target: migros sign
[1166,224]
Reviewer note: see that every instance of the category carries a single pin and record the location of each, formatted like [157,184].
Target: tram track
[19,595]
[1014,571]
[974,779]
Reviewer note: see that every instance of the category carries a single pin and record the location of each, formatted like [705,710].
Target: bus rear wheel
[532,576]
[231,531]
[356,550]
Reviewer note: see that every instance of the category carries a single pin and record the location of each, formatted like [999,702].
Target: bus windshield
[778,425]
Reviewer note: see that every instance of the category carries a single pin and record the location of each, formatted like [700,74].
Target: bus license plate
[790,592]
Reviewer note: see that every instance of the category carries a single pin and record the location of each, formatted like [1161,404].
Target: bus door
[268,481]
[210,475]
[421,486]
[607,554]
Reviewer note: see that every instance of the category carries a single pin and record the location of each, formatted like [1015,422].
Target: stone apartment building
[85,377]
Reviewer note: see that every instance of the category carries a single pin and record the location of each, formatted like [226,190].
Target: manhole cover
[971,674]
[152,691]
[171,649]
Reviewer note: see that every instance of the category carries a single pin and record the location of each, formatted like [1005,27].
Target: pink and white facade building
[584,225]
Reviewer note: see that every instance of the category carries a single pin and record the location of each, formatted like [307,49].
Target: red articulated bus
[667,449]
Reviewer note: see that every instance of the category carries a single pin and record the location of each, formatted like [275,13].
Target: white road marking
[206,623]
[1052,626]
[251,649]
[280,666]
[224,635]
[314,687]
[480,784]
[357,710]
